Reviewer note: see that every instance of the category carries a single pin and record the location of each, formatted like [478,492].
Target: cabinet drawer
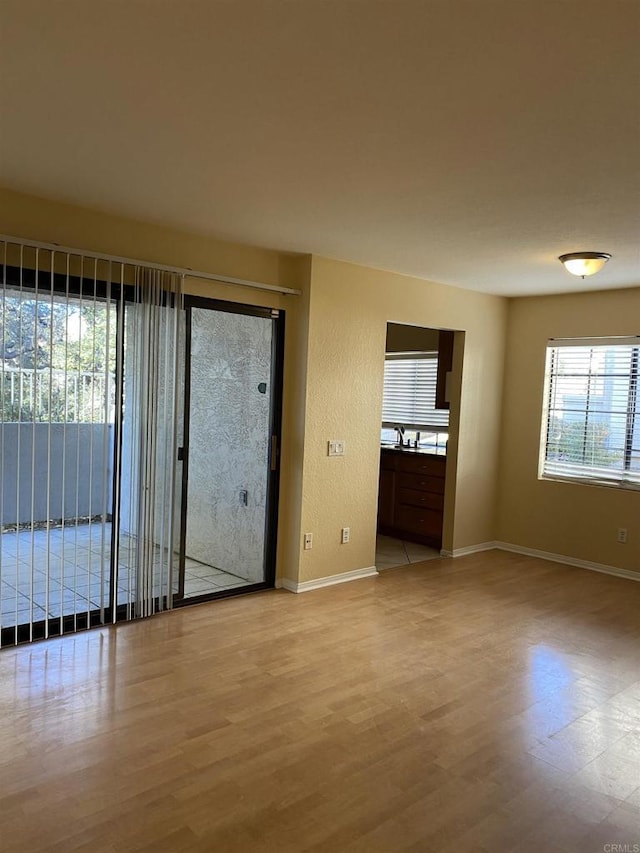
[430,500]
[421,483]
[427,522]
[421,464]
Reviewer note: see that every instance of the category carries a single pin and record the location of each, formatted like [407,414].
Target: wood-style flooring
[491,703]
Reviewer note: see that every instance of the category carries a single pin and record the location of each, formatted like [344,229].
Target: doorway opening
[416,436]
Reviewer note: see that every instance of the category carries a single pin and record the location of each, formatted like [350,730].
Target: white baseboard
[371,571]
[470,549]
[544,555]
[307,586]
[568,561]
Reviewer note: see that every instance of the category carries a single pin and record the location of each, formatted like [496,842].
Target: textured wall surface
[229,441]
[349,311]
[334,362]
[571,519]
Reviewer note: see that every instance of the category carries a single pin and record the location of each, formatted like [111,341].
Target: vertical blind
[90,397]
[591,421]
[410,392]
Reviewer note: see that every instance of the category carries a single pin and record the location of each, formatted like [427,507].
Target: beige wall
[333,389]
[334,365]
[40,219]
[573,520]
[349,311]
[78,227]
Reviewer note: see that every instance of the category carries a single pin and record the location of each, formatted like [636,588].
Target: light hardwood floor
[490,703]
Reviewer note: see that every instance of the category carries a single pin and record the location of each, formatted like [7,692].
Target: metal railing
[29,395]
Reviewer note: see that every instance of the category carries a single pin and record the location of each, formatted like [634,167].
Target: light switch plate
[335,447]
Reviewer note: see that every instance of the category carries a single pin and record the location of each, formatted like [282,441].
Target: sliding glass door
[231,440]
[139,441]
[91,383]
[57,389]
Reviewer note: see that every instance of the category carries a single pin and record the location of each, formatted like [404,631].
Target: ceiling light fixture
[584,263]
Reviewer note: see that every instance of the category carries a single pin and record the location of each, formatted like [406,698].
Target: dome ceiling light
[584,263]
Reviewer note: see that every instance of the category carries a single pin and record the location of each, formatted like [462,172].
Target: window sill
[590,481]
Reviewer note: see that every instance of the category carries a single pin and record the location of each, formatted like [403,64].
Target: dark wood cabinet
[411,496]
[386,498]
[445,366]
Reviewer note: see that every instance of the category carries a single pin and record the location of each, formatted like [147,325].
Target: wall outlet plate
[346,535]
[308,541]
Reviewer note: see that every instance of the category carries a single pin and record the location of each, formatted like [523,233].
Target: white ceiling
[466,141]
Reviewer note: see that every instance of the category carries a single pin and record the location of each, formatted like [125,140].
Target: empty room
[320,426]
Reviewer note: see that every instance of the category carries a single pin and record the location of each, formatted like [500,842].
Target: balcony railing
[46,395]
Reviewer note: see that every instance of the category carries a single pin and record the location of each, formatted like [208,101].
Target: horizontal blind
[410,392]
[591,426]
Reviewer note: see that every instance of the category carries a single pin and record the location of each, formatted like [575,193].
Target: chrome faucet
[400,430]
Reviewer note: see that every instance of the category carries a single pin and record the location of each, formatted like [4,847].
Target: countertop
[421,451]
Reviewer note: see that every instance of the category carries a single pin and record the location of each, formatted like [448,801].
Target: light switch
[335,447]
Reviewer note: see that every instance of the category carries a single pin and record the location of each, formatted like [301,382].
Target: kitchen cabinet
[445,366]
[411,496]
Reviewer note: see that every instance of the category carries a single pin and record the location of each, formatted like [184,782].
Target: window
[591,419]
[410,397]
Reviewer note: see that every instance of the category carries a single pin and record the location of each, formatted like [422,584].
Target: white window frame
[576,472]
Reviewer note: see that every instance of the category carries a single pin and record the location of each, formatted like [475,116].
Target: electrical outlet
[346,535]
[308,541]
[335,448]
[622,535]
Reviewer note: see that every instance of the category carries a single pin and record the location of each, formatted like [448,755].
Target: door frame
[277,316]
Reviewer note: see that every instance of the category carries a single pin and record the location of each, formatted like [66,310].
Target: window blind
[90,404]
[410,392]
[591,422]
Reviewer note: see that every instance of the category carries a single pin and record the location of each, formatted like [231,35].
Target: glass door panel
[230,411]
[57,390]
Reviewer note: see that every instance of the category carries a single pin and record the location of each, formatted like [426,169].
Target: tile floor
[73,558]
[59,573]
[395,552]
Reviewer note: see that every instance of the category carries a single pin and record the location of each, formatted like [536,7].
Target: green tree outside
[572,442]
[55,360]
